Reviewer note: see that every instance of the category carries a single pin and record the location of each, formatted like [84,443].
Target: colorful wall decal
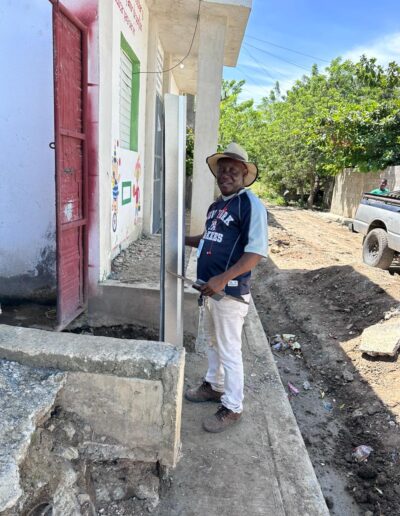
[115,188]
[136,190]
[126,192]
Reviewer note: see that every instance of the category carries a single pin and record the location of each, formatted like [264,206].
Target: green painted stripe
[135,93]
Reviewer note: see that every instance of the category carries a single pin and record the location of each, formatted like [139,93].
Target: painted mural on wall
[116,176]
[136,191]
[130,18]
[126,194]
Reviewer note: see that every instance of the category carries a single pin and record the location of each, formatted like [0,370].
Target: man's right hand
[193,241]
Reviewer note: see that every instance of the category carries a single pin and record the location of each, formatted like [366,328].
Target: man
[382,190]
[234,241]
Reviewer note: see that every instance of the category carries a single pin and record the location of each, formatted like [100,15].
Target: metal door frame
[159,113]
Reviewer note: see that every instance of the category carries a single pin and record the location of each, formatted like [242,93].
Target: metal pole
[174,217]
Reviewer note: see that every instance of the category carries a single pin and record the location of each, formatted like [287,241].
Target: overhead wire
[277,57]
[187,54]
[258,63]
[288,49]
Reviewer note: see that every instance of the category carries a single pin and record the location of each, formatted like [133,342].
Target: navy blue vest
[226,236]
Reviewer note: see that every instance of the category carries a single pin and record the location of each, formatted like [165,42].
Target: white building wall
[130,19]
[27,168]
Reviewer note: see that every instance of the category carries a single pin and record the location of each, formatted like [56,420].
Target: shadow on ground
[353,400]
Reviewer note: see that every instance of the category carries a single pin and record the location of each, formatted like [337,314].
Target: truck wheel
[376,251]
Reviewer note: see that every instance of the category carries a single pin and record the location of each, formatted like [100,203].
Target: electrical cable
[259,63]
[277,57]
[240,68]
[289,49]
[188,52]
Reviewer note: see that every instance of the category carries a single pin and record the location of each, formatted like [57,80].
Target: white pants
[223,323]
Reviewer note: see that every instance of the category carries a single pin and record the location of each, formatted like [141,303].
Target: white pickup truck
[378,218]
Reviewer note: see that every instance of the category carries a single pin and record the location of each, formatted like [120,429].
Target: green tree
[345,117]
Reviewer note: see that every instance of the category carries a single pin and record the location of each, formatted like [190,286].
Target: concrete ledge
[125,303]
[128,391]
[300,491]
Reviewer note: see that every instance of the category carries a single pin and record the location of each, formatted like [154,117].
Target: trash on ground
[288,336]
[292,389]
[362,452]
[284,341]
[306,385]
[328,406]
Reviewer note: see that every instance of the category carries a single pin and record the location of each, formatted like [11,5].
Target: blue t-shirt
[235,225]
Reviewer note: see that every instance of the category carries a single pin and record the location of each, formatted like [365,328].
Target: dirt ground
[315,286]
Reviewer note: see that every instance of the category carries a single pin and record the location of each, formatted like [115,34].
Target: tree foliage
[346,116]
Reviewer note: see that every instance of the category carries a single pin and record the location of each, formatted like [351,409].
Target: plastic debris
[328,406]
[362,452]
[306,385]
[292,389]
[285,341]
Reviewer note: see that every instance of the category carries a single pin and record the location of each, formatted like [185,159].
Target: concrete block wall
[350,185]
[125,303]
[128,391]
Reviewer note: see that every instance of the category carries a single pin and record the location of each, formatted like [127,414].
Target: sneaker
[221,420]
[203,393]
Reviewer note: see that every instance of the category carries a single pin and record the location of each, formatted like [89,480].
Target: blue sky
[323,29]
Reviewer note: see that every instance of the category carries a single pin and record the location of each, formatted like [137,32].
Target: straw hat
[234,151]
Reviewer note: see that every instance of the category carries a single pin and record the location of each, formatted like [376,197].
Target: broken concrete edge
[300,489]
[85,353]
[139,360]
[173,379]
[30,408]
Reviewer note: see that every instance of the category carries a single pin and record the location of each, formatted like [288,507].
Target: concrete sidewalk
[261,466]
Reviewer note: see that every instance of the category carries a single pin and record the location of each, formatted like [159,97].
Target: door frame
[59,8]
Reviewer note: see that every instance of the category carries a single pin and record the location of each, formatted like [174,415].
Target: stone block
[381,339]
[129,390]
[127,410]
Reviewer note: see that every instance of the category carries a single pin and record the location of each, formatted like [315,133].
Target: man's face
[383,185]
[230,175]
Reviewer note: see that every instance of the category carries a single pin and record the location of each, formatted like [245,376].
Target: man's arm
[217,283]
[193,241]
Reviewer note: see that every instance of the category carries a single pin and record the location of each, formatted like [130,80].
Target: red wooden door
[70,80]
